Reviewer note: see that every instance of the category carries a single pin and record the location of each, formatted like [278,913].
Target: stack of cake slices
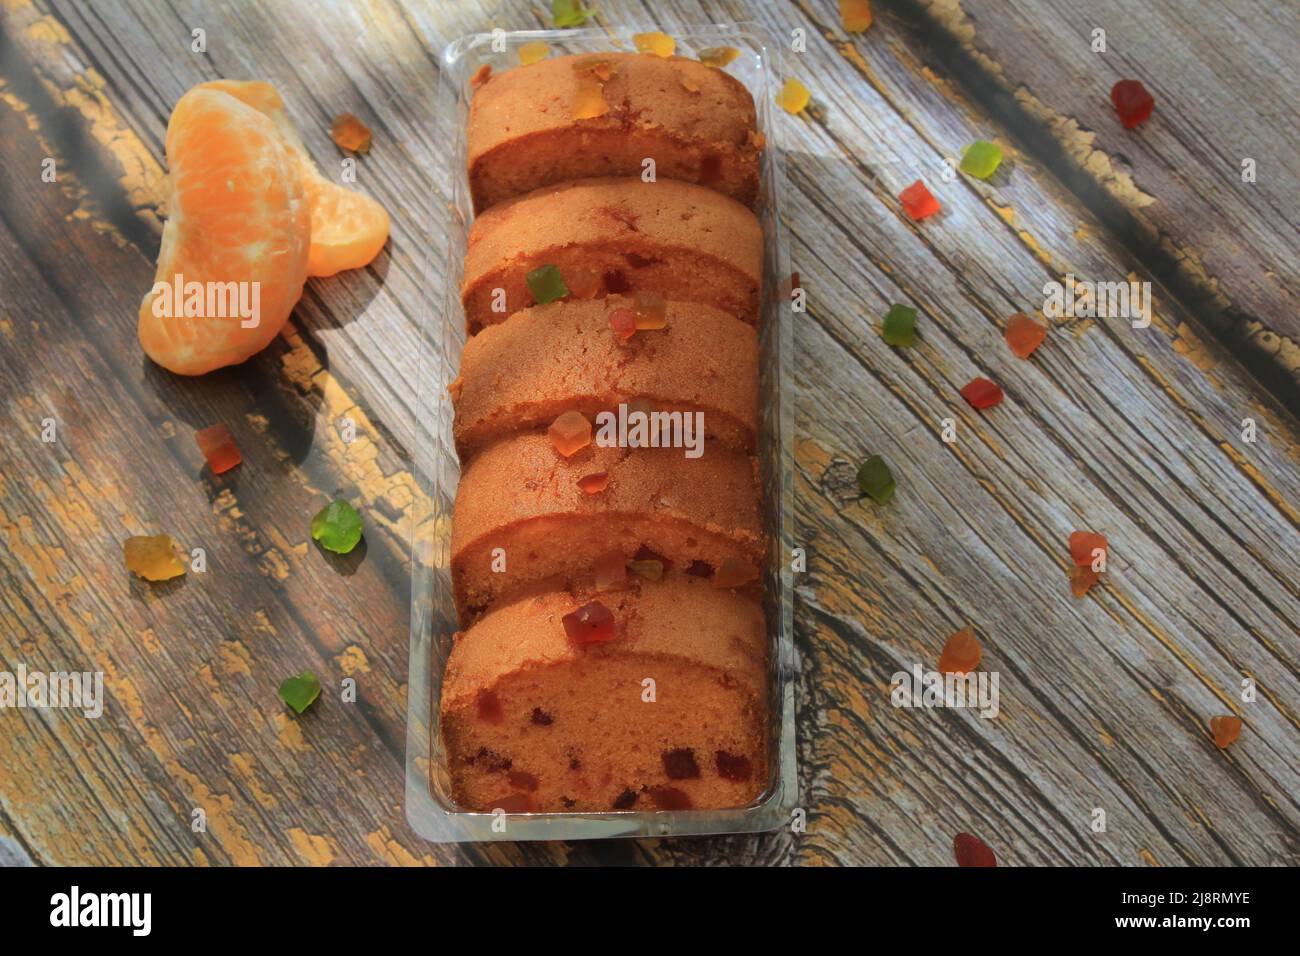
[607,538]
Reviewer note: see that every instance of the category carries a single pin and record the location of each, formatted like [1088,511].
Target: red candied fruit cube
[521,780]
[733,766]
[515,803]
[961,655]
[218,448]
[981,393]
[623,322]
[616,282]
[670,798]
[1083,544]
[972,851]
[592,623]
[489,707]
[1132,102]
[1082,579]
[1226,730]
[679,764]
[917,201]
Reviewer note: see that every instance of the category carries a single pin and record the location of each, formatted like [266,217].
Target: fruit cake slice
[525,514]
[521,374]
[610,236]
[585,115]
[647,697]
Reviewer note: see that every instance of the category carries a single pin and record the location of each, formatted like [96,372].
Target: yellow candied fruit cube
[855,15]
[534,52]
[660,44]
[719,56]
[794,96]
[589,101]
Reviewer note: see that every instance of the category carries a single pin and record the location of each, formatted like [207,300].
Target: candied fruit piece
[733,766]
[300,691]
[1024,335]
[589,99]
[1084,546]
[917,201]
[515,803]
[669,798]
[981,393]
[546,284]
[596,67]
[1082,578]
[616,282]
[153,557]
[658,43]
[593,623]
[855,15]
[899,326]
[679,764]
[350,133]
[594,483]
[533,52]
[794,96]
[489,706]
[583,284]
[734,573]
[570,13]
[981,159]
[961,654]
[541,718]
[218,448]
[1132,102]
[337,527]
[688,84]
[645,553]
[623,322]
[1225,730]
[570,433]
[650,570]
[651,311]
[625,800]
[876,480]
[719,56]
[972,851]
[522,780]
[611,570]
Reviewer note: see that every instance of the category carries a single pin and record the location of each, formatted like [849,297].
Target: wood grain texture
[1136,433]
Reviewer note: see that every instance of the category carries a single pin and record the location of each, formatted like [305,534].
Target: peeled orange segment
[348,228]
[236,240]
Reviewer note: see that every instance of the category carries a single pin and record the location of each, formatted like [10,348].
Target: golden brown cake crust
[685,242]
[521,374]
[532,721]
[696,122]
[521,496]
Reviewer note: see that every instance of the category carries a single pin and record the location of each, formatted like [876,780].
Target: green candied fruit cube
[876,480]
[899,327]
[546,284]
[981,159]
[300,691]
[337,527]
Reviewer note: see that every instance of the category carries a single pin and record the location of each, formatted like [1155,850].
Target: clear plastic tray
[433,616]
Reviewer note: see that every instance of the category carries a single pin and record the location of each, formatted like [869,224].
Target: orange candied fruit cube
[570,433]
[583,284]
[733,573]
[348,132]
[594,483]
[961,655]
[1084,545]
[855,15]
[658,43]
[597,67]
[1226,730]
[218,447]
[918,202]
[1024,335]
[534,52]
[589,100]
[152,557]
[688,84]
[794,96]
[651,311]
[1082,578]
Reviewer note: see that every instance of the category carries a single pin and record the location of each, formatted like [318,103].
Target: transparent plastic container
[429,807]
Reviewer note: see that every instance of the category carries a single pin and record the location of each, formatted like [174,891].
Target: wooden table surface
[1137,433]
